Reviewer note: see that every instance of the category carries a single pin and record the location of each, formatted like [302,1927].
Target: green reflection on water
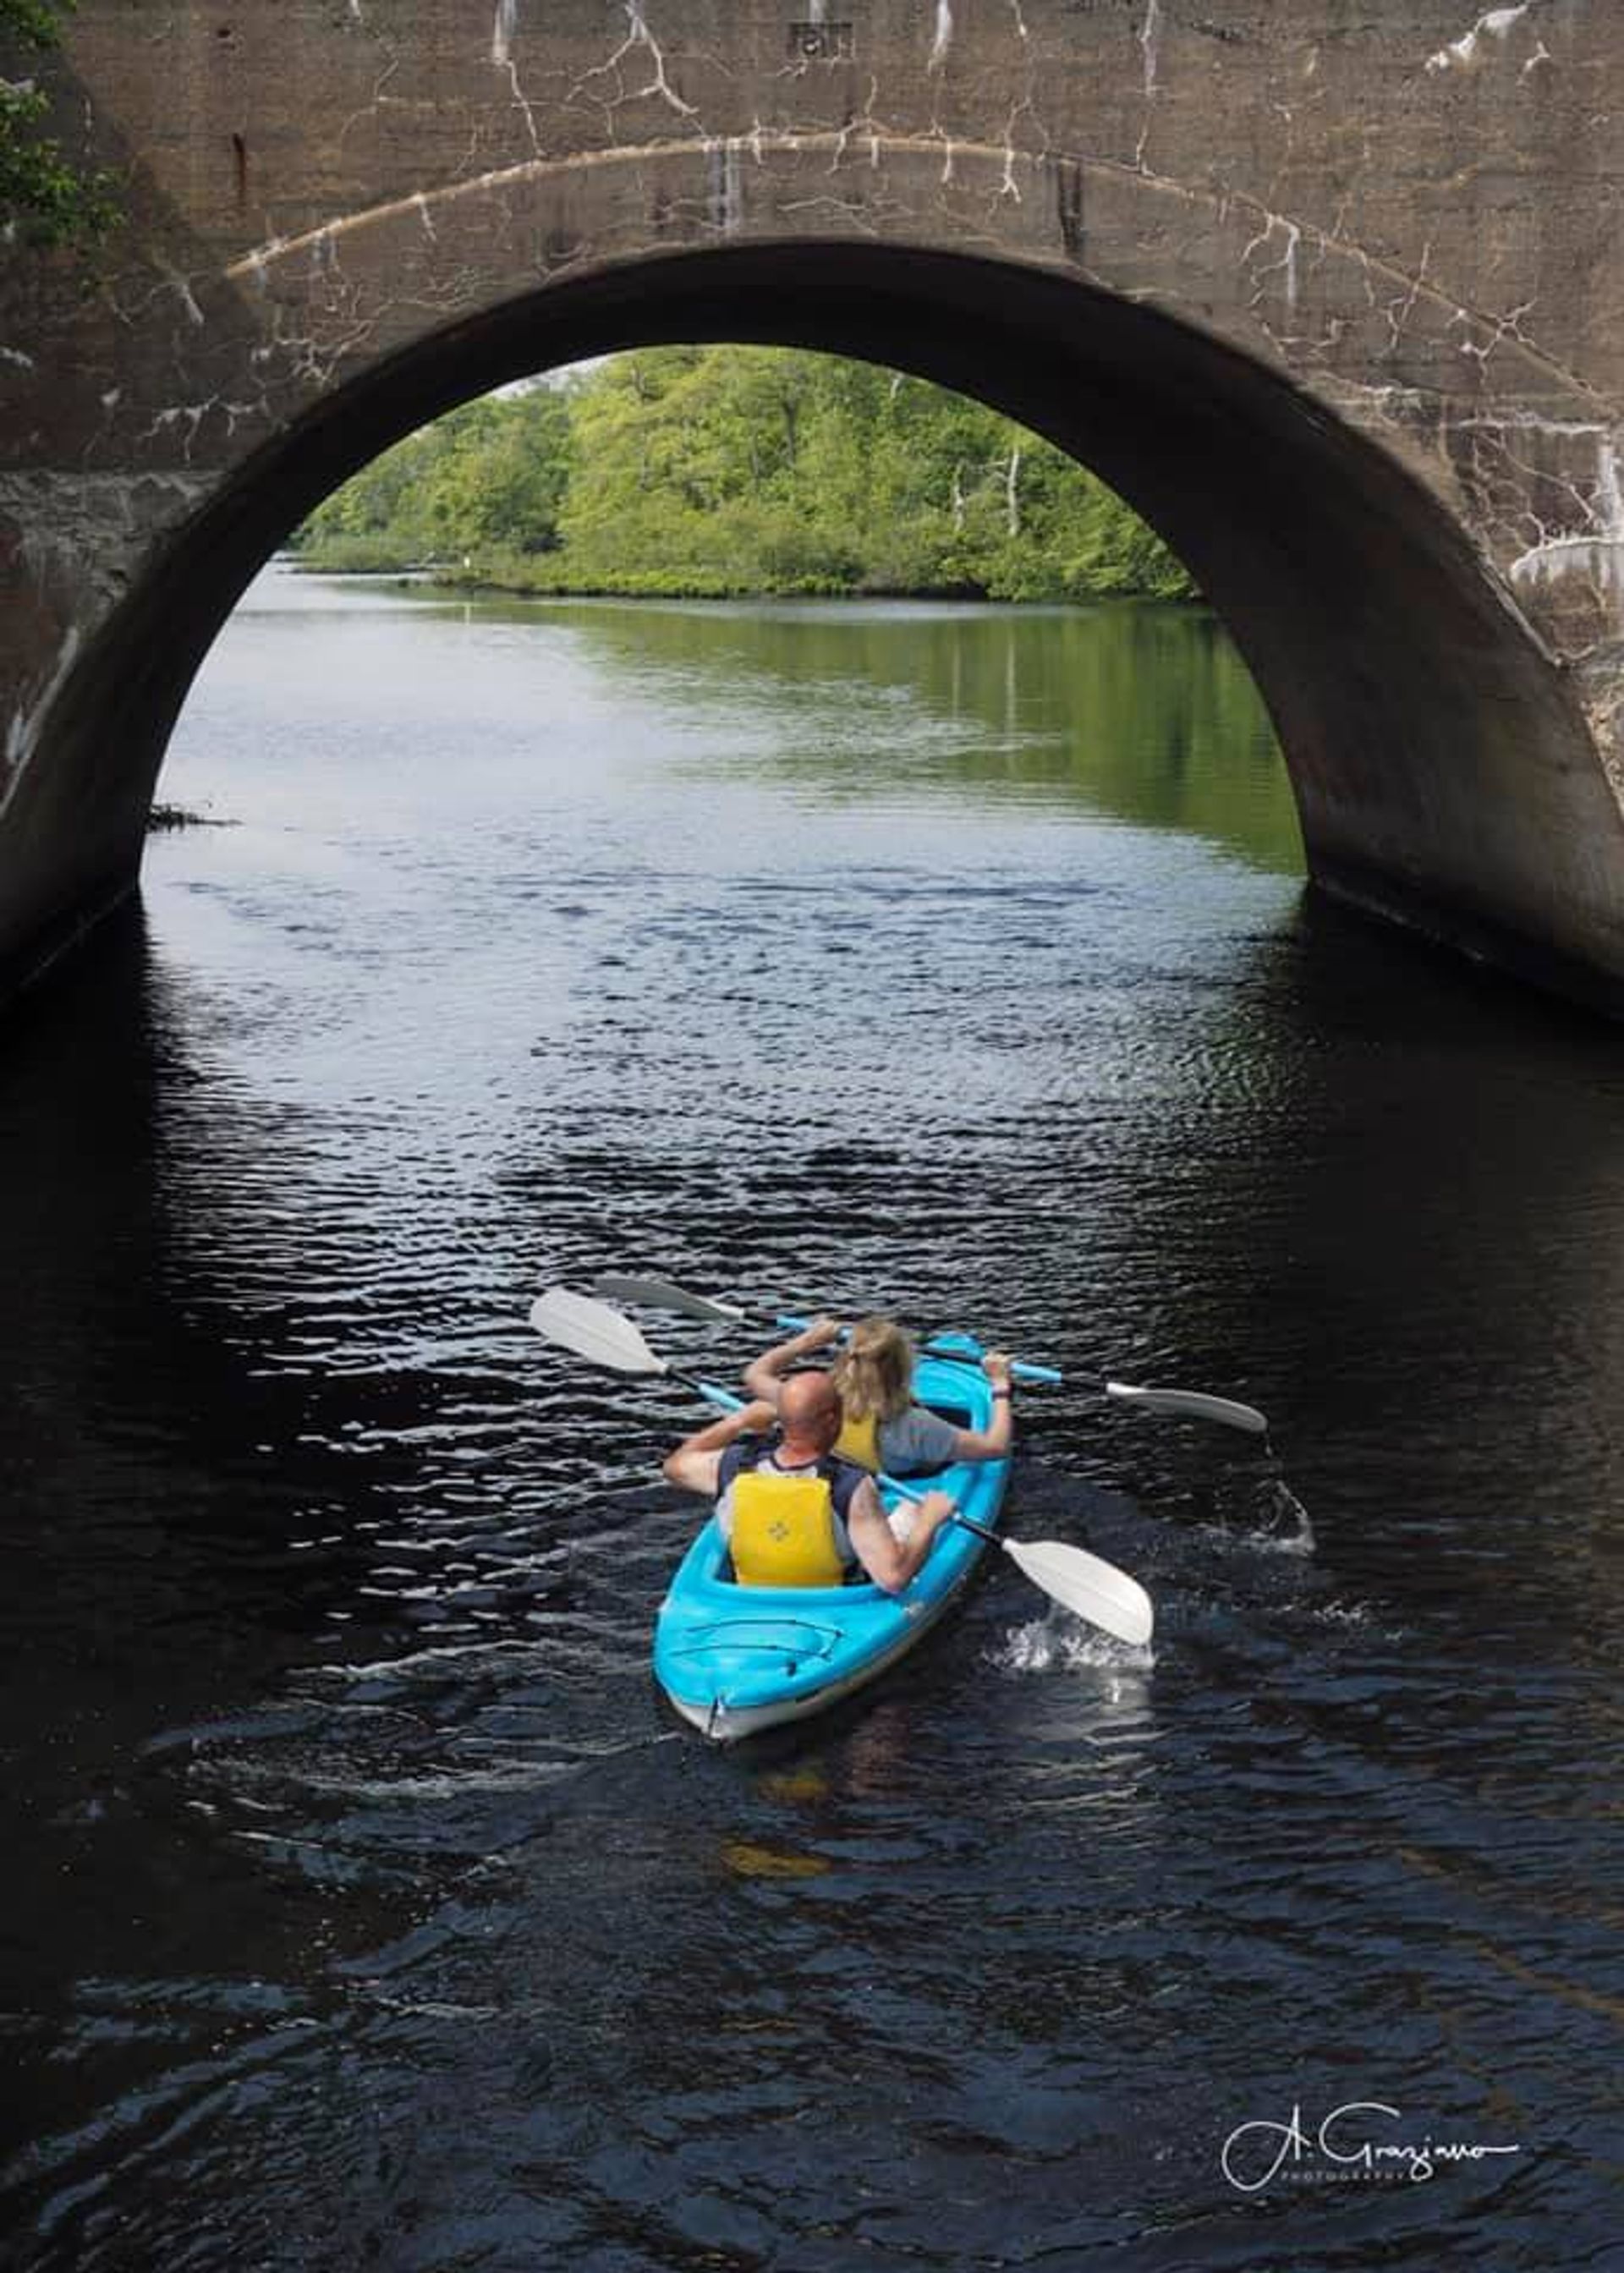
[1143,713]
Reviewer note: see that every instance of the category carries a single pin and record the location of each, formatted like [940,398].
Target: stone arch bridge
[1333,294]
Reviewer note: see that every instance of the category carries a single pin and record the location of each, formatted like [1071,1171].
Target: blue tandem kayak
[734,1660]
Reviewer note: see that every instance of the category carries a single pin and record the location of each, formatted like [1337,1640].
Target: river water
[365,1908]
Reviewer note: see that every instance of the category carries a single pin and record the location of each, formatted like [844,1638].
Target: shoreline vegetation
[733,473]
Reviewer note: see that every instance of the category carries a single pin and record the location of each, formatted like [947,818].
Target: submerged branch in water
[181,816]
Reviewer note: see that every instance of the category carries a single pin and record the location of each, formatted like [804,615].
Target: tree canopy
[41,193]
[744,469]
[490,477]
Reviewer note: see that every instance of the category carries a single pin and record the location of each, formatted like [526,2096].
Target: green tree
[745,469]
[490,476]
[41,191]
[689,465]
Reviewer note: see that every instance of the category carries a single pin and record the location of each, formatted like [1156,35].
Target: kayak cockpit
[733,1659]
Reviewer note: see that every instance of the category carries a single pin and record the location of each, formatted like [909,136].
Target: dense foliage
[716,470]
[40,193]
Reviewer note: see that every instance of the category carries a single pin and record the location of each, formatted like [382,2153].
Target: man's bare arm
[692,1466]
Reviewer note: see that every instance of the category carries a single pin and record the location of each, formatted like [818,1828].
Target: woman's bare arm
[763,1375]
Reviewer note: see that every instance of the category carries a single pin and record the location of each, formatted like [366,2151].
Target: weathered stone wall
[1332,293]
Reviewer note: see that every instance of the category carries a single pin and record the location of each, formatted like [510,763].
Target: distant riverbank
[733,473]
[554,578]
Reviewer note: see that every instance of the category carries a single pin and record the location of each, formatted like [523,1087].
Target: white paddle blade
[1082,1583]
[660,1294]
[1195,1403]
[593,1331]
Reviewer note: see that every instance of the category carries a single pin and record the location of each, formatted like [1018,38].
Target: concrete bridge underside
[1333,297]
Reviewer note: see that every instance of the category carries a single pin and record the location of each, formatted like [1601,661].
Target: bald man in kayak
[792,1515]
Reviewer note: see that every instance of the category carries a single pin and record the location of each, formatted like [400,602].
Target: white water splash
[1281,1522]
[1260,1512]
[1065,1642]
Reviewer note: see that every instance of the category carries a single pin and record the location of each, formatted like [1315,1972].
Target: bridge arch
[1401,500]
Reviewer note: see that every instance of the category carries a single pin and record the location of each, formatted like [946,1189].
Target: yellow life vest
[783,1531]
[859,1440]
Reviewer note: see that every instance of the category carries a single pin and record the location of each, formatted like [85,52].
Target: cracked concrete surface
[1391,232]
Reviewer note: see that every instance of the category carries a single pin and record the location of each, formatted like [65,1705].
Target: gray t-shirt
[916,1442]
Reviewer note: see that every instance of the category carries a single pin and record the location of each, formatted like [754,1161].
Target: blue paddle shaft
[964,1352]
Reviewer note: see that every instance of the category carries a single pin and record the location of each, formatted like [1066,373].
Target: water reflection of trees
[1147,713]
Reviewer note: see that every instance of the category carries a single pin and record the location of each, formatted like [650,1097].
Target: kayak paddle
[660,1294]
[1193,1404]
[1080,1582]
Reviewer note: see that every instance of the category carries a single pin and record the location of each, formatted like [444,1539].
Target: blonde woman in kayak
[882,1428]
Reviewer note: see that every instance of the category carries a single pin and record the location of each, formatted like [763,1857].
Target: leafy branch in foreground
[42,194]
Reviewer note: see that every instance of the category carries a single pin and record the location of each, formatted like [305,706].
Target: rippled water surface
[365,1909]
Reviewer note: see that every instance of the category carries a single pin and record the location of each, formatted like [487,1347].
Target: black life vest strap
[845,1477]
